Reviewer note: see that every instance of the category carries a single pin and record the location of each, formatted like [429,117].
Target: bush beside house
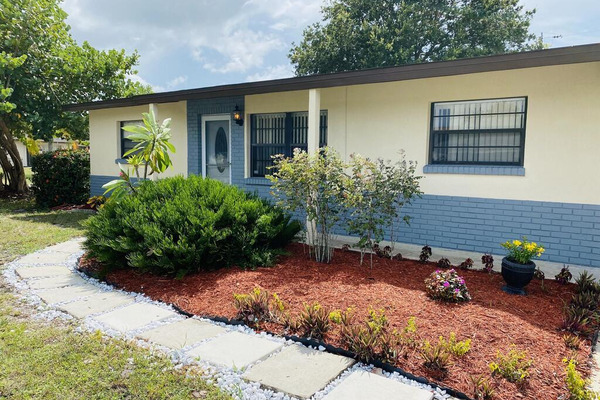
[183,225]
[61,177]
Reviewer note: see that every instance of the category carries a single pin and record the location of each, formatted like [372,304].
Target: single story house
[508,145]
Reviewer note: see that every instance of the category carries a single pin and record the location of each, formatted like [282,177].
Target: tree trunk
[10,161]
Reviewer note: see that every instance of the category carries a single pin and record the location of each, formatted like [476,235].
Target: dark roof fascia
[530,59]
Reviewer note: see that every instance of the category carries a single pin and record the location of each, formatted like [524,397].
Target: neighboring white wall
[105,140]
[561,141]
[22,152]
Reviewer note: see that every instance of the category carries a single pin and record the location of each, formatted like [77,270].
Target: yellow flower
[517,242]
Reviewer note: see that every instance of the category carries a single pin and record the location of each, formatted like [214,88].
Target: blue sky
[195,43]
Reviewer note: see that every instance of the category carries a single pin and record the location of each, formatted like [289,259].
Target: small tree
[377,191]
[313,184]
[151,154]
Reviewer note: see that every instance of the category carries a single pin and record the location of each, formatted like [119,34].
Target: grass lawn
[42,360]
[26,229]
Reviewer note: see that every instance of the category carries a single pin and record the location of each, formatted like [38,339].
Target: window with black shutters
[279,133]
[127,144]
[480,132]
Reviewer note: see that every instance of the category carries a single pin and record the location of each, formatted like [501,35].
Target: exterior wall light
[238,117]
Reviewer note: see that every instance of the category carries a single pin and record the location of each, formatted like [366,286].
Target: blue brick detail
[96,182]
[480,225]
[473,170]
[221,105]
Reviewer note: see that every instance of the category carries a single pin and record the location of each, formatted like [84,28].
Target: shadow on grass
[62,219]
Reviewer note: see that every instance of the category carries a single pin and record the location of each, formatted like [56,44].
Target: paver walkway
[275,364]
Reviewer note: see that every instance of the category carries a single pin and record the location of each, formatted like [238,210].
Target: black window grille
[279,133]
[481,132]
[127,144]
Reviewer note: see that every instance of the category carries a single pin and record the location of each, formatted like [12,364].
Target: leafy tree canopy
[42,69]
[359,34]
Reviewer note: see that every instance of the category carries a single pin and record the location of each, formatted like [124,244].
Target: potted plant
[517,267]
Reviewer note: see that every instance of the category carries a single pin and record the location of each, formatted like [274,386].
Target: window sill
[121,161]
[257,181]
[474,170]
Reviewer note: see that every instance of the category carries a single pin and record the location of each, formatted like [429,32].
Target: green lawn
[51,360]
[26,229]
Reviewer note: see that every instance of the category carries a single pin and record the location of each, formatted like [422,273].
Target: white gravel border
[227,379]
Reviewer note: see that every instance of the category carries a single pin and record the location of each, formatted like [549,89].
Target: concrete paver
[56,282]
[182,333]
[72,246]
[42,272]
[299,371]
[361,385]
[235,350]
[96,303]
[45,258]
[134,316]
[53,296]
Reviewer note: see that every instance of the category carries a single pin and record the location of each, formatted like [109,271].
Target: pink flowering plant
[447,286]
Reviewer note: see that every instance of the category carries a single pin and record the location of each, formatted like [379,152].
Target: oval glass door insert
[221,150]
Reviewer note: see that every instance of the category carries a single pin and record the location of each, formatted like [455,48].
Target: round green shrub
[61,177]
[183,225]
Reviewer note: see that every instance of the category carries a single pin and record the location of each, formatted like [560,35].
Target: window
[280,133]
[482,132]
[127,144]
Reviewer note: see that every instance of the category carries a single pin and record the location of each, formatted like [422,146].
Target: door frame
[215,117]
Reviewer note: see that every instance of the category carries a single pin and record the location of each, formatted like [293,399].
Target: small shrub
[467,264]
[409,335]
[444,263]
[61,177]
[576,320]
[572,342]
[371,340]
[455,347]
[564,276]
[361,341]
[437,356]
[514,366]
[425,254]
[587,300]
[96,202]
[385,252]
[447,286]
[488,262]
[577,386]
[397,257]
[182,225]
[586,283]
[343,318]
[253,307]
[313,321]
[482,388]
[345,247]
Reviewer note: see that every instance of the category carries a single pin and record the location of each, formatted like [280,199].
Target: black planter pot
[516,276]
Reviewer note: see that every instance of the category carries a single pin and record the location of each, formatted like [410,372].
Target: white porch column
[153,109]
[314,119]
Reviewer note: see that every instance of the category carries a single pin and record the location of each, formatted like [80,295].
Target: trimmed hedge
[61,177]
[182,225]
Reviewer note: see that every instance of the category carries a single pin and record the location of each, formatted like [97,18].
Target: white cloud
[139,79]
[276,72]
[173,83]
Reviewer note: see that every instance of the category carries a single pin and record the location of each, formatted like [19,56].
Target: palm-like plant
[151,153]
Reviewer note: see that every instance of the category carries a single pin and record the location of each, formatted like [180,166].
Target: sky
[196,43]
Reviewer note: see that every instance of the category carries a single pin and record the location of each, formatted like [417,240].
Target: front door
[216,145]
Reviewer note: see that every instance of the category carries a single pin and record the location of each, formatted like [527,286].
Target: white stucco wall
[561,142]
[105,136]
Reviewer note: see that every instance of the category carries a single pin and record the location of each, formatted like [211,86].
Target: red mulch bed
[493,319]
